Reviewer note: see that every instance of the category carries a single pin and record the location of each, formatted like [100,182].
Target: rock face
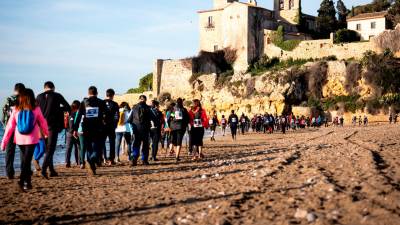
[268,92]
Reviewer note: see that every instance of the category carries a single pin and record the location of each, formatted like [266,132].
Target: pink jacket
[25,139]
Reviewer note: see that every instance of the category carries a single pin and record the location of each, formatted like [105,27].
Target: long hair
[26,100]
[197,103]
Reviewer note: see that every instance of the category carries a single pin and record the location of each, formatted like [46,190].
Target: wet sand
[345,175]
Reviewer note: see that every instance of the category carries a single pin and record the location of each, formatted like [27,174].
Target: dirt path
[325,176]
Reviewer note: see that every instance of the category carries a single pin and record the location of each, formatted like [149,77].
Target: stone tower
[218,4]
[288,10]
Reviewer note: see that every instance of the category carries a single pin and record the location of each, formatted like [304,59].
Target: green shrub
[145,84]
[278,40]
[345,35]
[274,64]
[223,79]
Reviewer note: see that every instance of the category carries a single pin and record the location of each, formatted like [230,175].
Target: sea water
[59,155]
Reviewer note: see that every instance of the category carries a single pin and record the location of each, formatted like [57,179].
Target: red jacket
[204,119]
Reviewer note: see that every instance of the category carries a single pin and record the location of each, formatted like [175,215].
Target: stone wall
[172,77]
[320,49]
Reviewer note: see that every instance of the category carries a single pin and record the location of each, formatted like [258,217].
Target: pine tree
[342,14]
[326,19]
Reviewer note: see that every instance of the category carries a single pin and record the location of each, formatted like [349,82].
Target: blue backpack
[26,122]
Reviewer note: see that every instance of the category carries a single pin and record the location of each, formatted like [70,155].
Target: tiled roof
[365,16]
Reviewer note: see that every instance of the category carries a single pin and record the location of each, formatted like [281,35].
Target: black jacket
[53,106]
[157,118]
[140,118]
[112,115]
[92,113]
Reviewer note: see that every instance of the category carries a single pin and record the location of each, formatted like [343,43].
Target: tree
[394,14]
[327,18]
[342,14]
[145,84]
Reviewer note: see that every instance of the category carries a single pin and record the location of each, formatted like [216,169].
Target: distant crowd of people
[34,124]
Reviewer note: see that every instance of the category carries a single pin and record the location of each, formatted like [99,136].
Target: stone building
[368,25]
[242,26]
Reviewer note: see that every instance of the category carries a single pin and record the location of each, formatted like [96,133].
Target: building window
[371,36]
[291,4]
[215,48]
[281,4]
[358,26]
[210,23]
[373,25]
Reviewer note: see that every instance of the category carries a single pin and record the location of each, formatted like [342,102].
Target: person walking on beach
[123,130]
[25,124]
[53,106]
[7,111]
[198,122]
[157,122]
[213,123]
[233,121]
[140,120]
[111,123]
[179,123]
[92,113]
[223,125]
[72,141]
[283,123]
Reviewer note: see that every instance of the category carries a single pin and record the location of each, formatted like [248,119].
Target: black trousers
[155,140]
[26,159]
[72,142]
[49,154]
[233,131]
[10,155]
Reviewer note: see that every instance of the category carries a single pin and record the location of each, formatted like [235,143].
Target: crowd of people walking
[34,124]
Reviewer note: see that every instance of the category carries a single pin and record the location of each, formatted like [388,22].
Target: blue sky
[78,43]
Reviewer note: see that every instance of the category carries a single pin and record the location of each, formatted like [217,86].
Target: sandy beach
[345,175]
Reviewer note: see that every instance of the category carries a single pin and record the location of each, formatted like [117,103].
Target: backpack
[26,122]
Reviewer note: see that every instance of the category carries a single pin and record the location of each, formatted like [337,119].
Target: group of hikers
[34,124]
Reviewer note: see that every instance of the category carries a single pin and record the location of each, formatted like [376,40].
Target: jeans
[119,136]
[82,151]
[155,139]
[141,138]
[72,142]
[50,149]
[233,131]
[10,155]
[93,146]
[110,134]
[26,159]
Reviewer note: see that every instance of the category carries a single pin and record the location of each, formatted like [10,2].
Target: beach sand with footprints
[345,175]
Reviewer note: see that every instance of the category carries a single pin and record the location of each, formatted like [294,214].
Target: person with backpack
[198,122]
[111,123]
[223,125]
[25,124]
[179,123]
[123,129]
[233,122]
[157,122]
[140,120]
[213,123]
[53,106]
[72,141]
[90,127]
[7,111]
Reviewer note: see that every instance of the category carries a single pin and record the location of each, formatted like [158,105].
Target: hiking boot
[29,186]
[10,177]
[20,187]
[44,175]
[53,174]
[145,163]
[68,165]
[134,163]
